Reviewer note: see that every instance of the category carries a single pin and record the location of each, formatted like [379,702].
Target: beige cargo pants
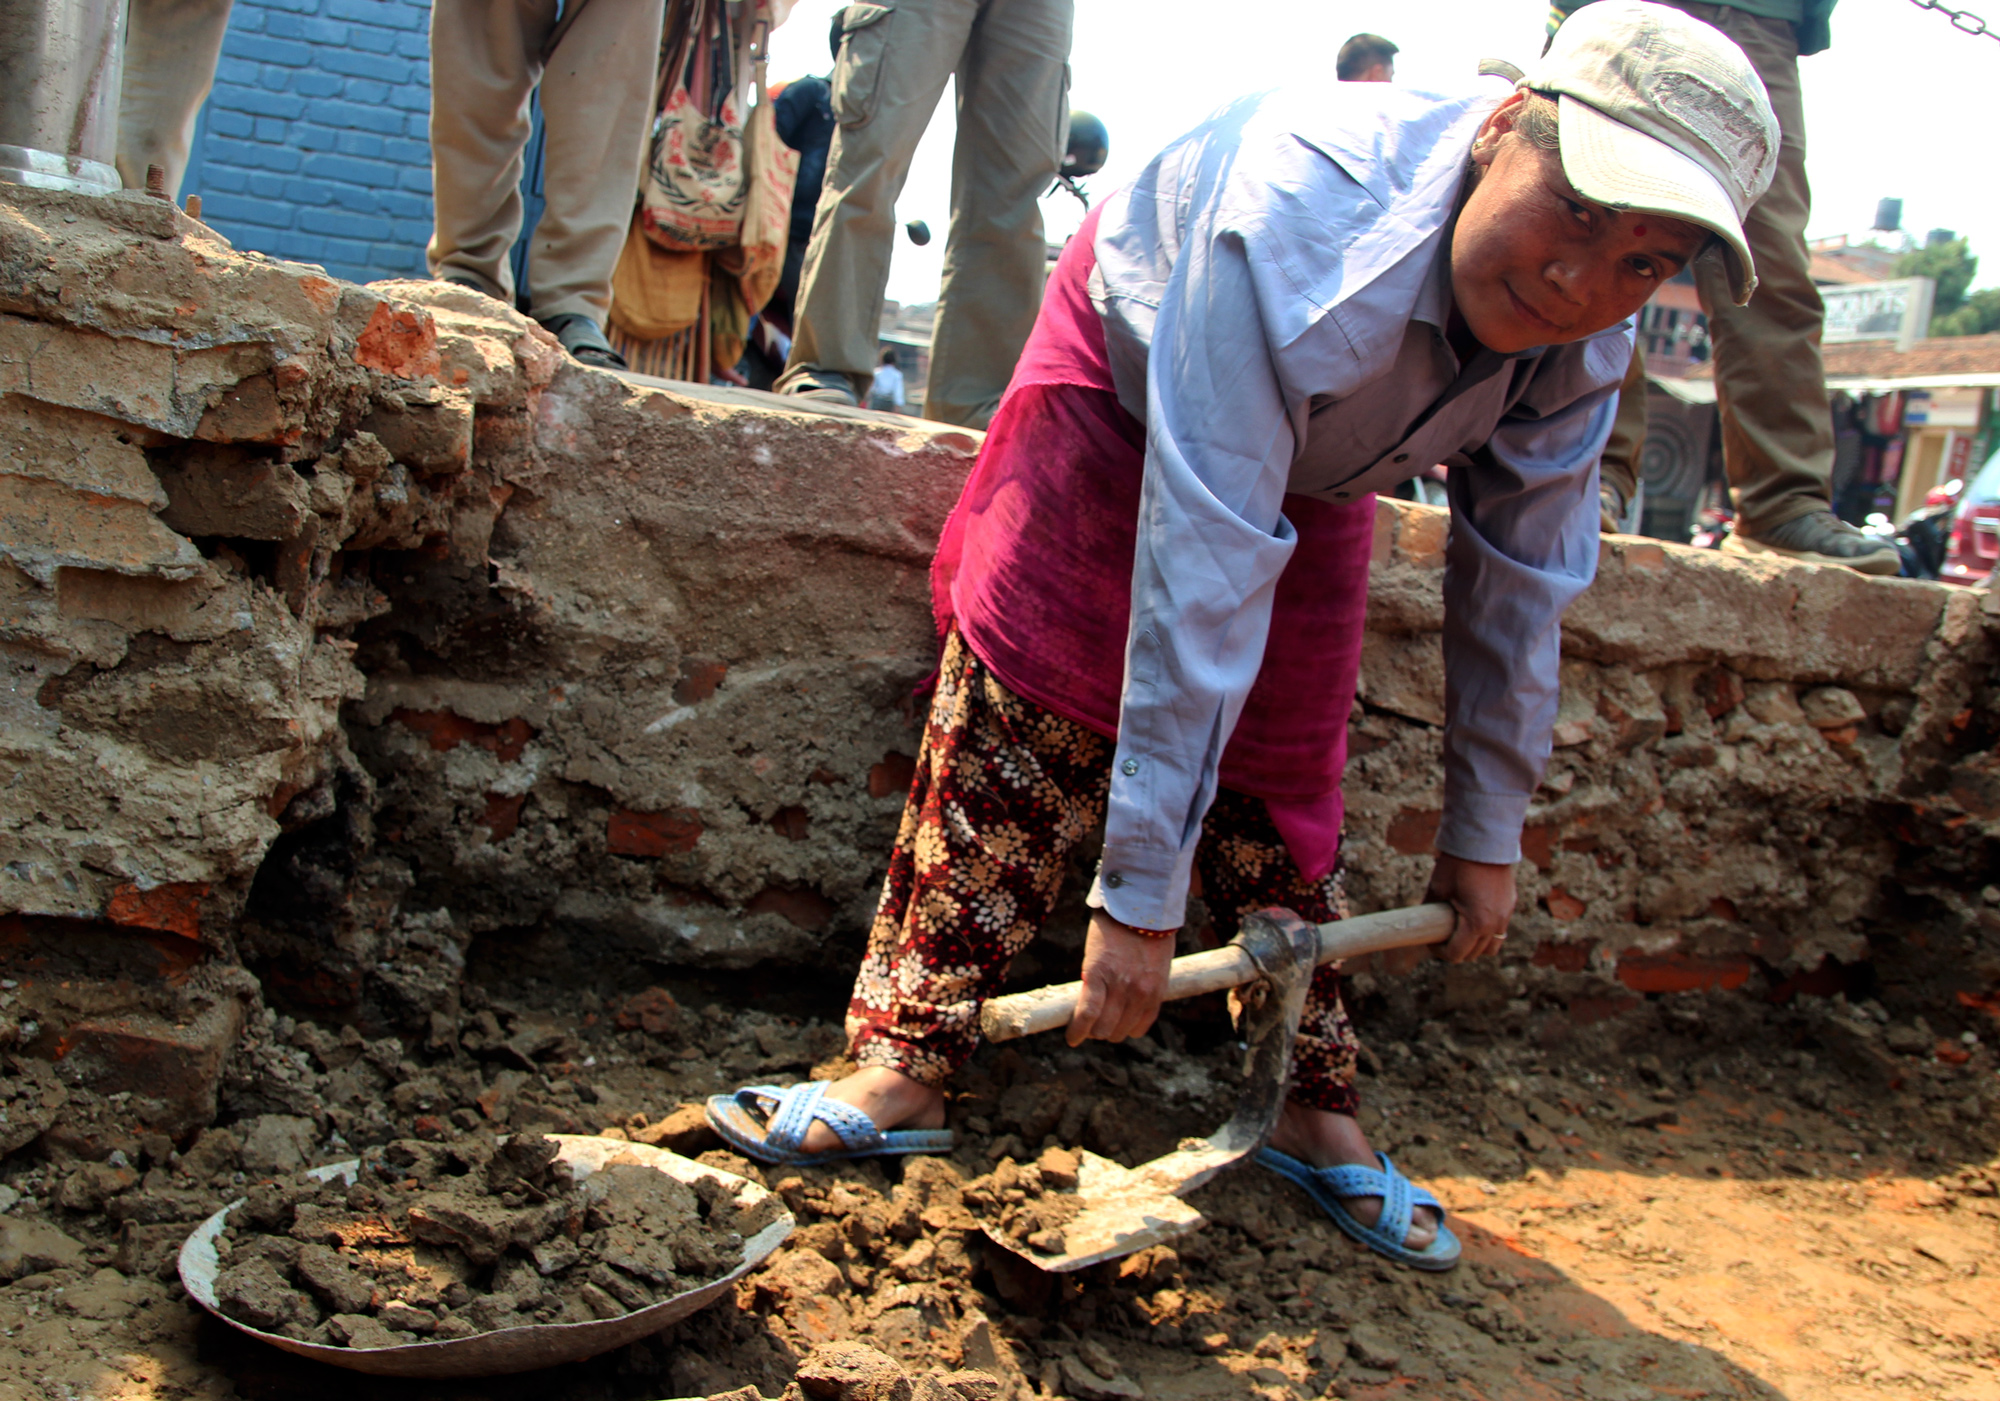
[1777,434]
[1011,62]
[597,108]
[171,49]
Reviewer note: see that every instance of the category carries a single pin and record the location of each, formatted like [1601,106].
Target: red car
[1975,533]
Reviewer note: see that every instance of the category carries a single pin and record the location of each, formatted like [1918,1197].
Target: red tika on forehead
[1638,231]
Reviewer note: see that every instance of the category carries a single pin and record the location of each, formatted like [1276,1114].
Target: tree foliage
[1976,316]
[1950,265]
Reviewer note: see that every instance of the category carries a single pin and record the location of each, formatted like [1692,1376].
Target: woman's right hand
[1124,981]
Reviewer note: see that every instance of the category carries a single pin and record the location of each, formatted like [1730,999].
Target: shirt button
[1129,767]
[1401,458]
[1114,880]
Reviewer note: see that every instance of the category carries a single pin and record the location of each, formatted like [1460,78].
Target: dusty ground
[1746,1209]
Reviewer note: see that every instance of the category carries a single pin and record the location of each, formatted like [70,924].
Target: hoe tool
[1270,962]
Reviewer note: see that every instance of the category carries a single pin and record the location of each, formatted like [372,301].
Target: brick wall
[315,142]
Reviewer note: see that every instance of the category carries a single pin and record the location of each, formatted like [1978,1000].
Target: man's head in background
[1366,58]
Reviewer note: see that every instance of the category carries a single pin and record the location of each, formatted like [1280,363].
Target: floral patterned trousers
[1004,790]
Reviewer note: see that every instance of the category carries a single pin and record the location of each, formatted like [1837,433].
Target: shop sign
[1869,311]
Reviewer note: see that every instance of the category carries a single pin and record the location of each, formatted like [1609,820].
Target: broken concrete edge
[369,599]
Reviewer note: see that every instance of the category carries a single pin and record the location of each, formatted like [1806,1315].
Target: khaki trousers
[597,109]
[171,49]
[1011,62]
[1777,433]
[1619,466]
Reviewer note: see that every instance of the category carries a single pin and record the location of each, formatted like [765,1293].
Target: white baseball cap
[1662,112]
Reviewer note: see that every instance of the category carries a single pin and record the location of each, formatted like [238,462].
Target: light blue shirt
[1275,288]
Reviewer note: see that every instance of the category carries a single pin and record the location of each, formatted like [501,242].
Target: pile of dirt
[1032,1203]
[448,1240]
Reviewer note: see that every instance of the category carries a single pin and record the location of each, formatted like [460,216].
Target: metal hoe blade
[1127,1209]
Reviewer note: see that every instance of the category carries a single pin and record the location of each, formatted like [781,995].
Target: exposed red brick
[447,731]
[808,909]
[892,775]
[1413,831]
[1722,907]
[399,343]
[823,776]
[281,798]
[1562,905]
[1675,724]
[1676,972]
[178,1064]
[1563,956]
[174,908]
[1721,691]
[653,833]
[1951,1053]
[1538,845]
[1359,743]
[503,814]
[698,680]
[653,1011]
[1988,1002]
[1581,844]
[792,823]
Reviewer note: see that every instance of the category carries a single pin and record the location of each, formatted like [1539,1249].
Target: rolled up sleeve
[1523,545]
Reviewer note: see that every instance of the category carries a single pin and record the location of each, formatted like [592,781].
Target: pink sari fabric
[1035,570]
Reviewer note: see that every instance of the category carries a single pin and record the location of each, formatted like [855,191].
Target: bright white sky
[1901,105]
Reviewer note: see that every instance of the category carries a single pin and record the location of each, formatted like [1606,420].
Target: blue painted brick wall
[315,143]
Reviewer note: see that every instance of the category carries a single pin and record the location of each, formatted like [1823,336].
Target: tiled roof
[1941,355]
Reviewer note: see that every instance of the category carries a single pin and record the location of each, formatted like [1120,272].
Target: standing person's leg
[1618,467]
[1777,430]
[1245,866]
[1013,124]
[891,72]
[171,49]
[597,112]
[485,59]
[1003,791]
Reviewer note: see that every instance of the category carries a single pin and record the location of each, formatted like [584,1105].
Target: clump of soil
[1030,1203]
[447,1240]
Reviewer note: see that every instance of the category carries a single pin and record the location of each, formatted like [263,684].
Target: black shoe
[584,340]
[1610,509]
[1821,537]
[828,386]
[469,282]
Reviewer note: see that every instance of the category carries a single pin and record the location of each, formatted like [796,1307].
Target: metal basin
[508,1349]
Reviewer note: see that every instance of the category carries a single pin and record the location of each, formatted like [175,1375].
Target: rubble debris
[470,1235]
[1028,1202]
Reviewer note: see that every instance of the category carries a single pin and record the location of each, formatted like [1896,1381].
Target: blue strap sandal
[1326,1186]
[769,1123]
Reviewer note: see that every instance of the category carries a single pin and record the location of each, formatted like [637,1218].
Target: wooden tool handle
[1045,1009]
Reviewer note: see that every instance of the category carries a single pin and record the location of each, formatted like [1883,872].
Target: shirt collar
[1433,304]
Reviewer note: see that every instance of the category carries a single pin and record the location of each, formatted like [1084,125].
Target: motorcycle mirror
[1089,146]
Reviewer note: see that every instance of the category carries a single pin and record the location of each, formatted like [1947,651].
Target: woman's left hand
[1483,895]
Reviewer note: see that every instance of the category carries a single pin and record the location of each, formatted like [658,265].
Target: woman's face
[1534,263]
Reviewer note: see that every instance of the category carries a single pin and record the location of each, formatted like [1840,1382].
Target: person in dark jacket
[805,120]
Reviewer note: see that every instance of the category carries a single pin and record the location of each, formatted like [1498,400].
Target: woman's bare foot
[1329,1140]
[889,1097]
